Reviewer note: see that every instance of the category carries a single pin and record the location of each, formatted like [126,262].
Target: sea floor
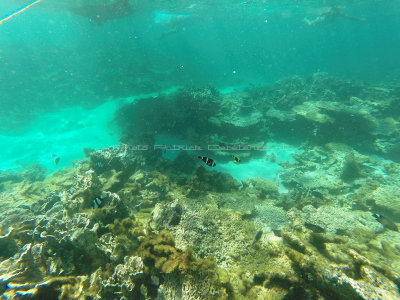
[315,220]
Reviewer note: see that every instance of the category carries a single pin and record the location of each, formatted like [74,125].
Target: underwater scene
[214,149]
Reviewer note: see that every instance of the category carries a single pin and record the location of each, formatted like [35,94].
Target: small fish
[209,161]
[56,160]
[385,222]
[314,228]
[97,202]
[236,159]
[163,192]
[341,231]
[257,237]
[277,232]
[99,164]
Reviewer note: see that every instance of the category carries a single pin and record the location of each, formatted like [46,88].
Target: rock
[8,246]
[336,220]
[269,217]
[74,287]
[126,279]
[86,239]
[368,284]
[120,158]
[166,215]
[13,216]
[187,288]
[387,200]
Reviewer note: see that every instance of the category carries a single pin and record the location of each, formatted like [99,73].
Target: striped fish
[96,203]
[209,161]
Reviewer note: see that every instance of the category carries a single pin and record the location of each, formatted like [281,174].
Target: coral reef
[203,181]
[171,113]
[320,109]
[167,215]
[166,229]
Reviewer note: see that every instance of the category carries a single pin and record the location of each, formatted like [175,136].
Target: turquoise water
[63,133]
[225,44]
[305,93]
[53,57]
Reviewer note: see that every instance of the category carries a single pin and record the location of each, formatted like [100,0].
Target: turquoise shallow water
[68,131]
[64,133]
[260,168]
[247,168]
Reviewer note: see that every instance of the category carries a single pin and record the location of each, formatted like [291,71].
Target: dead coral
[8,246]
[127,233]
[263,188]
[352,169]
[74,287]
[204,181]
[121,158]
[160,257]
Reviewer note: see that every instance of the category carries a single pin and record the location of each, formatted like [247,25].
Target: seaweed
[160,258]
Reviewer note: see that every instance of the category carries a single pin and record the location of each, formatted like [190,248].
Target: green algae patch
[160,257]
[127,233]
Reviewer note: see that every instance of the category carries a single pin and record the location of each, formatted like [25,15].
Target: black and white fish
[209,161]
[315,228]
[97,203]
[385,222]
[236,159]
